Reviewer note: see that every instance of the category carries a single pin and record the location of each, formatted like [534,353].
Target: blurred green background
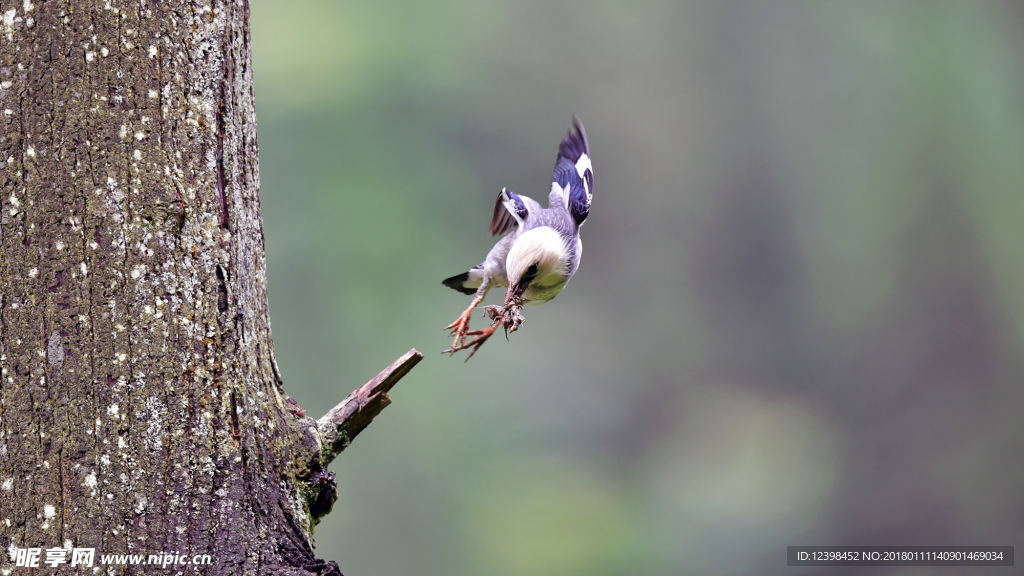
[799,318]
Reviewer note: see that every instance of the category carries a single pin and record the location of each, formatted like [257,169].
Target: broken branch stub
[346,420]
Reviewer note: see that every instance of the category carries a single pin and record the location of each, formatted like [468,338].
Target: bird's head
[536,255]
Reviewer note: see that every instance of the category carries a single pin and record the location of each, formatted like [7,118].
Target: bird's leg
[461,324]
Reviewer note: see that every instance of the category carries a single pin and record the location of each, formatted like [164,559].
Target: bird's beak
[515,293]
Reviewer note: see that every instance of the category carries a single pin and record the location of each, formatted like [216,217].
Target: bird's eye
[532,270]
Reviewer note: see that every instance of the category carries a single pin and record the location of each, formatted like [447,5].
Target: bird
[540,250]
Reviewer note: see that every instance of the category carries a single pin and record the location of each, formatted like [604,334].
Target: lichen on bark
[141,410]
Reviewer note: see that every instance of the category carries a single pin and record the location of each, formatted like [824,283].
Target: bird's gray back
[556,217]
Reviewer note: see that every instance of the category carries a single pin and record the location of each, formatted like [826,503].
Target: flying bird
[540,250]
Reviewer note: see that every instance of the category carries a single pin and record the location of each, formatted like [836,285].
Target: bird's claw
[507,316]
[459,328]
[476,343]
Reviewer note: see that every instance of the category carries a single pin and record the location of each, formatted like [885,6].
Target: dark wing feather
[503,221]
[567,170]
[572,147]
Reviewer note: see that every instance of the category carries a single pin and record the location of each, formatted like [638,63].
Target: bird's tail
[467,282]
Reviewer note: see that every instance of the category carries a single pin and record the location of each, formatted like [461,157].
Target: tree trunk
[141,410]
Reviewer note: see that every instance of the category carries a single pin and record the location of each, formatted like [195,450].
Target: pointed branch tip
[346,420]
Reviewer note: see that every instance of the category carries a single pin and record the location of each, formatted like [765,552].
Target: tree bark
[141,409]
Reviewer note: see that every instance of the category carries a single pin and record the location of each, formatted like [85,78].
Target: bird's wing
[572,182]
[509,212]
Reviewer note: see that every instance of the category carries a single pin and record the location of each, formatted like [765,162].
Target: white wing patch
[562,193]
[582,165]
